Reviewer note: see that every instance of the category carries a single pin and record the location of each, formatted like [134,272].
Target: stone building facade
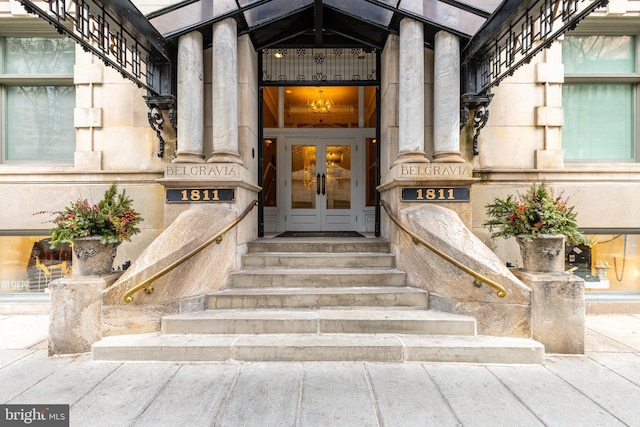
[101,128]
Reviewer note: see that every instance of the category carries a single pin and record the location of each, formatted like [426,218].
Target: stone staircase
[319,299]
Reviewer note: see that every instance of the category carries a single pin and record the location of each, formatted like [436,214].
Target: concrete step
[319,347]
[316,278]
[318,260]
[318,297]
[319,244]
[366,320]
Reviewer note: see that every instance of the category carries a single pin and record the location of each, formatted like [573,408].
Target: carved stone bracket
[480,105]
[156,105]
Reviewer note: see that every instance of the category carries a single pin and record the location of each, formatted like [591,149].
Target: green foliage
[113,219]
[536,212]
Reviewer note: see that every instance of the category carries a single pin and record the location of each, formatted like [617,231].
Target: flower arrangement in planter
[108,223]
[534,215]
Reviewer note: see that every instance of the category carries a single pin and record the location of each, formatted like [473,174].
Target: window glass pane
[370,116]
[612,264]
[599,54]
[271,10]
[40,123]
[327,106]
[363,9]
[270,172]
[598,121]
[38,55]
[28,264]
[270,107]
[371,171]
[445,14]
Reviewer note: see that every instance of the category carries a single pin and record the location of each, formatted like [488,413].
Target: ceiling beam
[318,23]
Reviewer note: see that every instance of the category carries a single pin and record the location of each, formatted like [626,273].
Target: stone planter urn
[94,258]
[543,253]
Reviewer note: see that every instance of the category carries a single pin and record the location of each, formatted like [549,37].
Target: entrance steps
[319,299]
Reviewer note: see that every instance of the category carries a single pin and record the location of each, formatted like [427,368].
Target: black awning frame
[118,33]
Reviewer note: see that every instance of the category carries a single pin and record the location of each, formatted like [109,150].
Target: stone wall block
[87,117]
[88,73]
[557,311]
[549,116]
[75,319]
[549,73]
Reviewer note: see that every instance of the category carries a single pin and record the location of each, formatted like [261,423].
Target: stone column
[224,77]
[190,99]
[446,102]
[411,92]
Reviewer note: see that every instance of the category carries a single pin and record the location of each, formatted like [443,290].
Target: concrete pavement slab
[337,395]
[624,329]
[596,341]
[611,391]
[406,395]
[123,396]
[538,389]
[625,365]
[600,388]
[477,397]
[27,372]
[192,396]
[68,383]
[23,331]
[265,394]
[10,356]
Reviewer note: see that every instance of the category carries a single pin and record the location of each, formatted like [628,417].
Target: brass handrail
[128,296]
[479,278]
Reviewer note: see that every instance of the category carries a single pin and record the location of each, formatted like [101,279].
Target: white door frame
[320,184]
[275,218]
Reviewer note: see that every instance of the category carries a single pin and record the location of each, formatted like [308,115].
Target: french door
[320,192]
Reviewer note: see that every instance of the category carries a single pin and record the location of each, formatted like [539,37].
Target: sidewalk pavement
[601,388]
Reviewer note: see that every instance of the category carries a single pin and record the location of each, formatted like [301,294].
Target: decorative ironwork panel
[115,32]
[519,37]
[333,66]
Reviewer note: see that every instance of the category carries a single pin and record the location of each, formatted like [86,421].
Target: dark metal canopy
[497,36]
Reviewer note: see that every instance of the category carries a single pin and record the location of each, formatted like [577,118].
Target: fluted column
[190,99]
[446,99]
[224,77]
[411,92]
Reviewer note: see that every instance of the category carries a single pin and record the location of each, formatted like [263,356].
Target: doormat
[320,234]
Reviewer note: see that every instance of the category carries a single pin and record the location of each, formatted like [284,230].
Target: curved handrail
[146,284]
[479,278]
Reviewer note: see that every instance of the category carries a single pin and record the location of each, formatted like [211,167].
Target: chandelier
[321,105]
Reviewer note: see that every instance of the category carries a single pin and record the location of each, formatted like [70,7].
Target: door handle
[318,184]
[324,184]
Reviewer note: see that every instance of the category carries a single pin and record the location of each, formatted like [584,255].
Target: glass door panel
[338,177]
[303,177]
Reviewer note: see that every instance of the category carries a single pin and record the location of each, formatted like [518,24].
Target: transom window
[38,98]
[599,98]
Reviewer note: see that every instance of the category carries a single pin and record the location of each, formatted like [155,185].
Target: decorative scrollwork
[156,120]
[156,104]
[480,116]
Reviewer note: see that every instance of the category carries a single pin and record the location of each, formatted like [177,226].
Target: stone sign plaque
[200,195]
[436,194]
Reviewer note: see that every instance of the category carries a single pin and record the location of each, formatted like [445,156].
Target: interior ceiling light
[321,105]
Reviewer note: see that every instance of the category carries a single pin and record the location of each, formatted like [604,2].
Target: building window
[38,98]
[29,264]
[611,264]
[599,97]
